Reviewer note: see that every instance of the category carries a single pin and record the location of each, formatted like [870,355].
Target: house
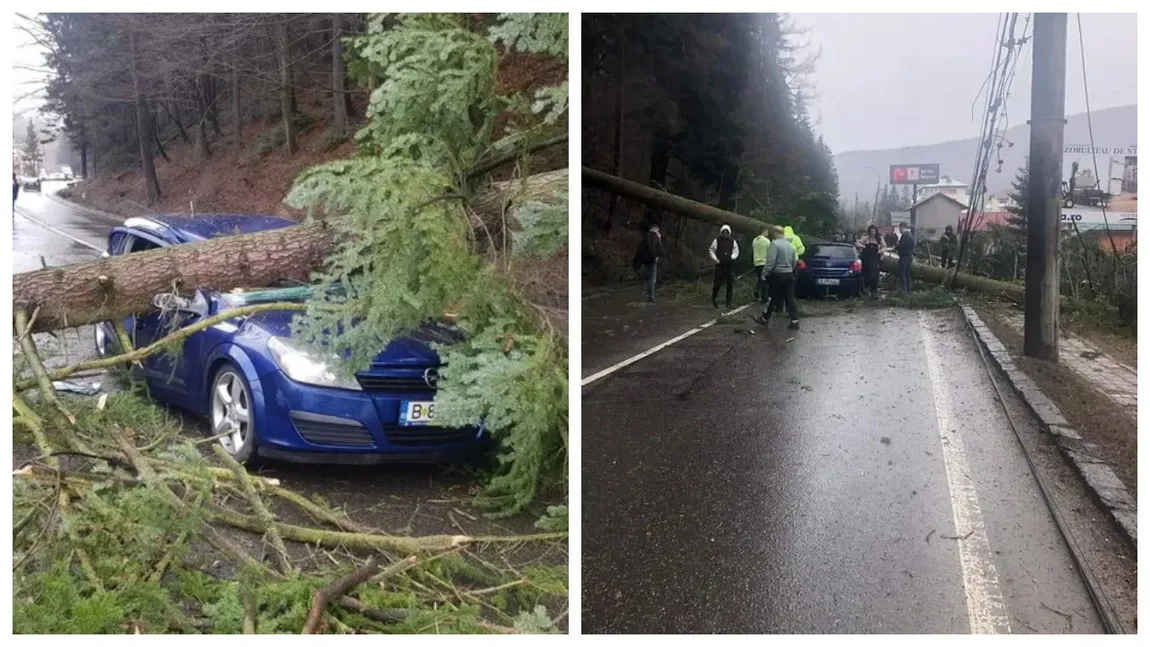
[931,215]
[947,186]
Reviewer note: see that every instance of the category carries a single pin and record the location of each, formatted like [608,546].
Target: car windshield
[837,252]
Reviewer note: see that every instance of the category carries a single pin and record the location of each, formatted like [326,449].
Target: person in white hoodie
[724,250]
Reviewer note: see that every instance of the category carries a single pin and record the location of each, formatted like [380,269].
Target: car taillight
[856,266]
[801,265]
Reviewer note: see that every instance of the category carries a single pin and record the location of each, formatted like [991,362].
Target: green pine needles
[406,254]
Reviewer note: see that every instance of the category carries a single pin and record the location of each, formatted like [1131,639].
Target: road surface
[824,481]
[416,500]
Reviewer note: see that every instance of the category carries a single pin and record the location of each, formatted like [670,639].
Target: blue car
[829,268]
[265,395]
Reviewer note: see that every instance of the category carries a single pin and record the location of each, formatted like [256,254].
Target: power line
[1093,154]
[995,102]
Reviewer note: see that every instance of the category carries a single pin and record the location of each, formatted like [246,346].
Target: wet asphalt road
[736,483]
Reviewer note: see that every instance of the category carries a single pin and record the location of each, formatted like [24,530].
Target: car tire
[230,388]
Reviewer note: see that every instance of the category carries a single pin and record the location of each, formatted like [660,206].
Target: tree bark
[114,288]
[338,74]
[143,128]
[287,97]
[750,226]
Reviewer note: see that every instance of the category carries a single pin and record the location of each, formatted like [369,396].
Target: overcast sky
[892,80]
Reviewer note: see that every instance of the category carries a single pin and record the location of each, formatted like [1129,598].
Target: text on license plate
[826,281]
[420,412]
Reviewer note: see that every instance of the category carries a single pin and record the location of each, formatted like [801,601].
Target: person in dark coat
[871,247]
[949,246]
[15,192]
[906,244]
[724,250]
[647,258]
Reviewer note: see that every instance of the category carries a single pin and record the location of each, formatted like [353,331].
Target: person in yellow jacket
[796,242]
[759,253]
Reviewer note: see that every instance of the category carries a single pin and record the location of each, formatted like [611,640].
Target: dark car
[31,184]
[267,395]
[829,268]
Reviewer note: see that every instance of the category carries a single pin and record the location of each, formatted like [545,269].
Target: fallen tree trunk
[750,226]
[114,288]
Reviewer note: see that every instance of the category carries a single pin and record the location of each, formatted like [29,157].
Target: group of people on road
[872,246]
[775,253]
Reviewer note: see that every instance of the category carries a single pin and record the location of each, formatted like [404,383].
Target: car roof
[187,229]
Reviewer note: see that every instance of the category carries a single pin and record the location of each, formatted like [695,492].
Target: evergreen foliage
[407,256]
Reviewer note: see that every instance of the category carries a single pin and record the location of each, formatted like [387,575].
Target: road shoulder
[1087,458]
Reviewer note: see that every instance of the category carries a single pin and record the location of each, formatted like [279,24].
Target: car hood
[410,350]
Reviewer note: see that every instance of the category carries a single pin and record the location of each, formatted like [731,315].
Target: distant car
[829,268]
[262,392]
[31,184]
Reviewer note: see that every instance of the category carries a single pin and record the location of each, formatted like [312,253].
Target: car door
[177,371]
[145,329]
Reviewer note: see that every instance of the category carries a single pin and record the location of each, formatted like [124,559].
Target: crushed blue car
[266,396]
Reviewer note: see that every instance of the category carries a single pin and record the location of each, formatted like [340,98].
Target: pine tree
[1016,221]
[407,256]
[31,153]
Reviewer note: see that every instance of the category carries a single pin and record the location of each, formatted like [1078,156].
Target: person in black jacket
[906,244]
[647,257]
[15,192]
[871,247]
[724,250]
[949,246]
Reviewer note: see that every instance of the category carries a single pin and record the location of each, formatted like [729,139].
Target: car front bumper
[303,423]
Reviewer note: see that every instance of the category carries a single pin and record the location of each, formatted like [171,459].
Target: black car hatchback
[829,268]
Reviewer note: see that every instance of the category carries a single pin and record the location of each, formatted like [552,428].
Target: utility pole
[874,208]
[855,213]
[1043,203]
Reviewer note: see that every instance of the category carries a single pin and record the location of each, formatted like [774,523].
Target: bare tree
[338,75]
[143,126]
[287,93]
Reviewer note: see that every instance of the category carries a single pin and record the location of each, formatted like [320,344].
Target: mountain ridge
[1112,127]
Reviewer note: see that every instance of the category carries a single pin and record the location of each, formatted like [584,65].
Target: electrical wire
[995,101]
[1093,154]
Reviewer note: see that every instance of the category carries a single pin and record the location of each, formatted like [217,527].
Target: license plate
[826,281]
[413,413]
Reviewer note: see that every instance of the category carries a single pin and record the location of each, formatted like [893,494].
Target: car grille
[384,383]
[413,436]
[320,430]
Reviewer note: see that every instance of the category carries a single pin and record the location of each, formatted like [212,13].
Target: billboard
[1102,177]
[914,174]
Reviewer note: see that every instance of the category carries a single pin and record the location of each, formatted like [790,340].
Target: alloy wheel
[231,411]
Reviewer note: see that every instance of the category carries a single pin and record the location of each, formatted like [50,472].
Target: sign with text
[1100,178]
[914,173]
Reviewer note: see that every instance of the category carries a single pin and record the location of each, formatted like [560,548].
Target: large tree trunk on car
[113,288]
[750,226]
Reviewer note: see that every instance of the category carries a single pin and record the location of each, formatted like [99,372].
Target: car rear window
[832,251]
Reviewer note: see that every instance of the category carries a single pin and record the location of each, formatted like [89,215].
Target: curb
[1104,486]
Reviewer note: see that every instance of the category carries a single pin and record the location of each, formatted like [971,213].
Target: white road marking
[984,602]
[647,353]
[58,232]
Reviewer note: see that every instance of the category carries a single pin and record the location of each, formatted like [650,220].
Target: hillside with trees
[707,107]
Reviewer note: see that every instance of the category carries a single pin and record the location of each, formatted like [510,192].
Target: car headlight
[302,366]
